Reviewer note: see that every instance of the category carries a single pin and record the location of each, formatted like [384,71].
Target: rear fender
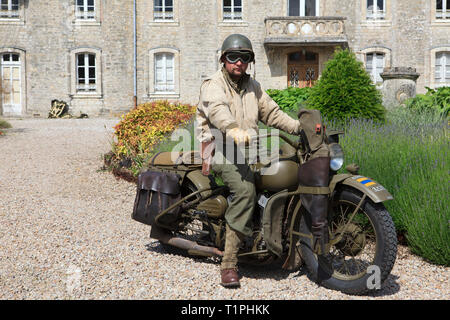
[375,191]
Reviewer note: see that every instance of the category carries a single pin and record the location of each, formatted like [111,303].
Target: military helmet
[237,42]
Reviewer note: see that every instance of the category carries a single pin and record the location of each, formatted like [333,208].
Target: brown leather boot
[230,278]
[228,267]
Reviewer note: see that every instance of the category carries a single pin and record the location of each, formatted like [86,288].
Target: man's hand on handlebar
[239,136]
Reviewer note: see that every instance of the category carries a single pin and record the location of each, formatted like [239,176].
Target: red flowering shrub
[4,125]
[145,126]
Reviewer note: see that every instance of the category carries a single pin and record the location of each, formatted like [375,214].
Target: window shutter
[159,72]
[446,64]
[169,73]
[379,66]
[439,66]
[369,61]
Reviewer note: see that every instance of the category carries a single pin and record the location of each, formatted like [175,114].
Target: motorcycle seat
[168,158]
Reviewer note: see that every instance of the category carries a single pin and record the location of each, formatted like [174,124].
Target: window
[442,9]
[9,9]
[86,73]
[164,72]
[442,68]
[374,66]
[163,10]
[376,9]
[303,8]
[7,57]
[85,9]
[232,9]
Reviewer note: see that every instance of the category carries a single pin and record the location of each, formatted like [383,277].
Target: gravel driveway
[66,232]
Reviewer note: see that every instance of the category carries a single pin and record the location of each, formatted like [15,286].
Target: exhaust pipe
[192,247]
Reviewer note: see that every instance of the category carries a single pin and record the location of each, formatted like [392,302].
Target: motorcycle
[186,212]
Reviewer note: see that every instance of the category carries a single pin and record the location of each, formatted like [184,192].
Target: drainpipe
[135,55]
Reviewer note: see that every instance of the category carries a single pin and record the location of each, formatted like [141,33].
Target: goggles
[233,57]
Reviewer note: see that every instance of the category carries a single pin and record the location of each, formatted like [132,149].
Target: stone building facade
[66,50]
[97,55]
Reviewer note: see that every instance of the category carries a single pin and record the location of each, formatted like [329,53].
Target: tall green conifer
[345,90]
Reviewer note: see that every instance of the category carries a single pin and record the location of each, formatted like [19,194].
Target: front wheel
[363,245]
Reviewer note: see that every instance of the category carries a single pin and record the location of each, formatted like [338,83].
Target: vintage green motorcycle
[186,211]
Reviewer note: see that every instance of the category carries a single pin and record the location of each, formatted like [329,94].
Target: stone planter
[399,84]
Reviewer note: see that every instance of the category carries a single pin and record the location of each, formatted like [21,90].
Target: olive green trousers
[240,180]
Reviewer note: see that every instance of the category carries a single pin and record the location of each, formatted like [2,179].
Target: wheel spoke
[354,223]
[354,241]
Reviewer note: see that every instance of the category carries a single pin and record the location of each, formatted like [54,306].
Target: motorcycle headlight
[337,156]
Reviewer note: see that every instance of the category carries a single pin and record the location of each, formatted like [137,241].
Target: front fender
[375,191]
[201,182]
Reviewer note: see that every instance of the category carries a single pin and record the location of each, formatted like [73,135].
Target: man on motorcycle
[232,102]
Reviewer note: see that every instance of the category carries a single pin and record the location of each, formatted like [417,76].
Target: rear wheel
[363,246]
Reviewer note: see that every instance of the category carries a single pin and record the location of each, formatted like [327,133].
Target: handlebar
[295,145]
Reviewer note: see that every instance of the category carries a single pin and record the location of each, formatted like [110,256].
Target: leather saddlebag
[313,133]
[156,191]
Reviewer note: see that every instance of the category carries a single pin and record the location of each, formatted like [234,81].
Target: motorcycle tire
[362,260]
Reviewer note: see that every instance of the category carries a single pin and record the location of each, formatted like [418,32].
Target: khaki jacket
[223,106]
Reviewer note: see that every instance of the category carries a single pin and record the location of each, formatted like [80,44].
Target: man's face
[236,69]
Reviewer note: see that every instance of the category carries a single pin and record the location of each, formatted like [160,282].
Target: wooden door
[303,69]
[11,84]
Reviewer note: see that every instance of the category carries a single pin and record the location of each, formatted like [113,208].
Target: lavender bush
[409,156]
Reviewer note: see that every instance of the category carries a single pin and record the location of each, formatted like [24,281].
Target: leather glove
[239,135]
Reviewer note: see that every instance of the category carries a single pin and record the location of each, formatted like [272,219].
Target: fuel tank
[280,174]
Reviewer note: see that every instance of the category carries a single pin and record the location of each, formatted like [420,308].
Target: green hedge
[291,98]
[434,101]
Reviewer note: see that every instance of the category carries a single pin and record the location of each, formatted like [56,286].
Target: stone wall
[48,36]
[197,36]
[407,37]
